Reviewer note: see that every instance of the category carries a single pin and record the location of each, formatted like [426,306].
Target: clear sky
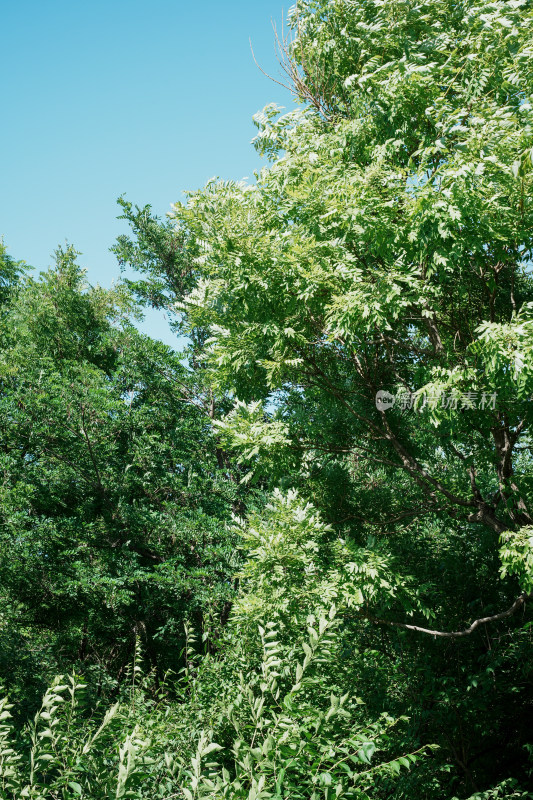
[110,97]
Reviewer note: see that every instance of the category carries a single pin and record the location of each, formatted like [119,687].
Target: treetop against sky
[103,99]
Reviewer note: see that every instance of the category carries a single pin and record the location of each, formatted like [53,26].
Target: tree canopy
[319,515]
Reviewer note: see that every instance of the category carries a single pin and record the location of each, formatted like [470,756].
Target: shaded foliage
[113,503]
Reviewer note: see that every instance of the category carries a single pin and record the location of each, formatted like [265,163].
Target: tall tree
[387,248]
[114,506]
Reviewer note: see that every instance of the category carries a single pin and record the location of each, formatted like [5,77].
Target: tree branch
[518,603]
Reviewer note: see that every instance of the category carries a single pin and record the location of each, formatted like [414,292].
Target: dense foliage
[311,531]
[113,502]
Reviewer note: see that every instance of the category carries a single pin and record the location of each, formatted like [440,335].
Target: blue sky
[104,98]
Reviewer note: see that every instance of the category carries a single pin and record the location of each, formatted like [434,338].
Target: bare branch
[518,603]
[260,68]
[300,82]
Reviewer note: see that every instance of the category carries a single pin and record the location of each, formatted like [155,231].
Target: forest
[291,558]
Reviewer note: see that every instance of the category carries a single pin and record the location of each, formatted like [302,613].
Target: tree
[387,248]
[10,273]
[114,506]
